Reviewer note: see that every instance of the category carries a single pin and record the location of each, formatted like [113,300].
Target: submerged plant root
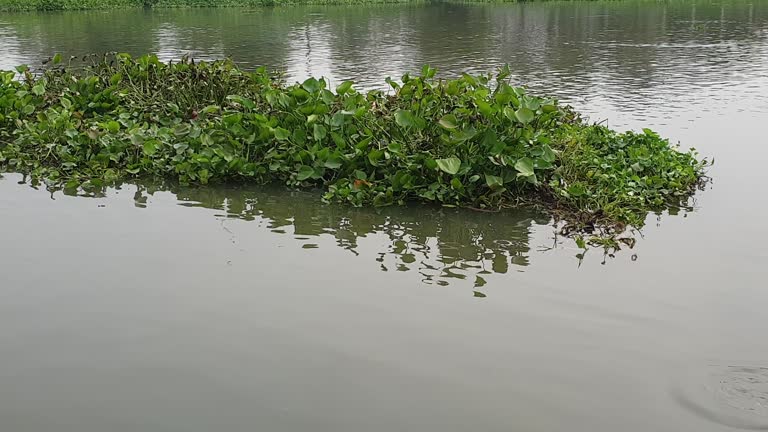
[474,141]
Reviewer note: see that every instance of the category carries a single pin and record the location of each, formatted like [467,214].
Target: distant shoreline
[81,5]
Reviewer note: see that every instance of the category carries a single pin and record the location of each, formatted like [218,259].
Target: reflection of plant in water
[439,244]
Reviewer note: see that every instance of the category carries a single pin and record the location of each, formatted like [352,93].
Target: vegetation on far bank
[59,5]
[474,141]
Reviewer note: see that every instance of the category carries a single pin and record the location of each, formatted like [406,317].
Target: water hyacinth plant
[473,141]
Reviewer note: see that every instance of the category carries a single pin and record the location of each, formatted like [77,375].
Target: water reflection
[438,244]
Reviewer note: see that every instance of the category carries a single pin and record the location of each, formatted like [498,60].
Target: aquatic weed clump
[473,141]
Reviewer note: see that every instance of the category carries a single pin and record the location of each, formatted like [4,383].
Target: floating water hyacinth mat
[473,141]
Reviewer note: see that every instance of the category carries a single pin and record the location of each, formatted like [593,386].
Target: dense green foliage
[473,141]
[54,5]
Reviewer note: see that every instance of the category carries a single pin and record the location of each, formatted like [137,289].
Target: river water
[164,308]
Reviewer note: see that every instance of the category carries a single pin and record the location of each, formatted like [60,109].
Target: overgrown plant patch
[472,141]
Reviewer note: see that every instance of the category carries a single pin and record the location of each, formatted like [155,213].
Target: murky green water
[167,308]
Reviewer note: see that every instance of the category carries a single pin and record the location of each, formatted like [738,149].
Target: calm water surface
[165,308]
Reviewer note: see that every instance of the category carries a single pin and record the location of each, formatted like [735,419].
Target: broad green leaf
[150,147]
[332,164]
[449,121]
[66,103]
[464,134]
[338,119]
[311,85]
[449,165]
[510,113]
[374,156]
[57,59]
[493,181]
[524,167]
[491,142]
[524,115]
[38,89]
[282,134]
[484,108]
[319,132]
[547,153]
[404,118]
[344,87]
[304,173]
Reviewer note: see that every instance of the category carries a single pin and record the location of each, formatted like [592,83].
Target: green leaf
[38,89]
[548,154]
[449,121]
[576,190]
[503,73]
[150,147]
[580,243]
[404,118]
[510,113]
[375,156]
[282,134]
[113,126]
[232,119]
[344,87]
[493,181]
[524,115]
[332,164]
[338,119]
[304,173]
[319,132]
[247,103]
[66,103]
[450,165]
[464,134]
[180,129]
[456,183]
[484,108]
[524,167]
[57,59]
[311,85]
